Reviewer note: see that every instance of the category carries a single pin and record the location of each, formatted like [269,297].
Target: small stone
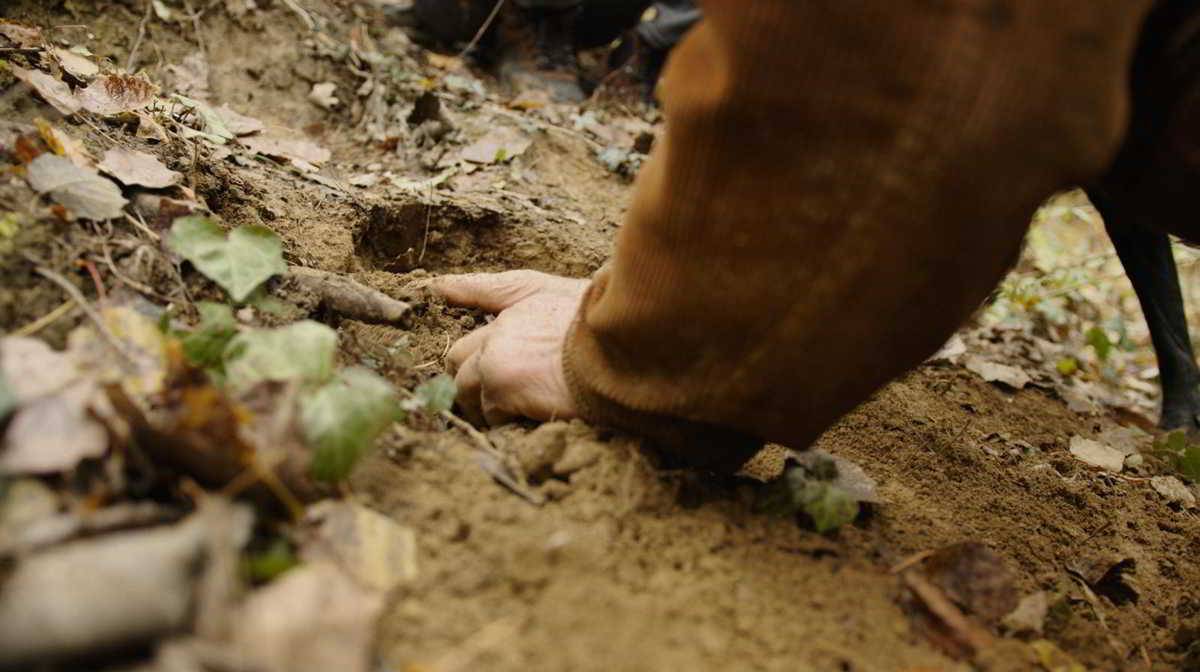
[1097,454]
[1134,461]
[1173,490]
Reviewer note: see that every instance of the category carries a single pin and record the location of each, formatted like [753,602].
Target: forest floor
[557,547]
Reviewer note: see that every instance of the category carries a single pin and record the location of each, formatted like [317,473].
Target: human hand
[513,367]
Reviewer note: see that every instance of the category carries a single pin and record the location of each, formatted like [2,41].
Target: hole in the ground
[443,236]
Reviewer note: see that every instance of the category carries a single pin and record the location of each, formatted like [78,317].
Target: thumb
[492,292]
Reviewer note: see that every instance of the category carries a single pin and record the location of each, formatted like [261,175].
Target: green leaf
[1098,339]
[303,351]
[205,345]
[433,396]
[342,419]
[1189,463]
[1067,366]
[829,506]
[267,564]
[239,262]
[214,129]
[8,399]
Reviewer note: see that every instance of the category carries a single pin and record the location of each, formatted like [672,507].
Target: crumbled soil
[627,566]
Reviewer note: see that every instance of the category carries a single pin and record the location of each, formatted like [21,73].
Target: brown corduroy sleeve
[841,182]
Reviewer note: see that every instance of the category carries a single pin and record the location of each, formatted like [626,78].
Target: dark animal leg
[1146,255]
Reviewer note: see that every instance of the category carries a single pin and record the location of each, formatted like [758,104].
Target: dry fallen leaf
[63,144]
[238,124]
[85,193]
[51,89]
[301,153]
[976,578]
[311,619]
[53,433]
[20,35]
[116,94]
[77,65]
[1173,490]
[132,167]
[1097,454]
[1030,614]
[372,548]
[997,373]
[497,146]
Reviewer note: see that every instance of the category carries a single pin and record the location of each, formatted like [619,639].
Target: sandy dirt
[627,566]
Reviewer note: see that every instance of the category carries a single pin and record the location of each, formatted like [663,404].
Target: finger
[492,292]
[466,346]
[469,389]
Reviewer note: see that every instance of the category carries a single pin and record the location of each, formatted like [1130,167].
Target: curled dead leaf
[116,94]
[52,90]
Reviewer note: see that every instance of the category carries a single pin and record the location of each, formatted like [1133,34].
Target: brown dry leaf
[238,124]
[22,36]
[997,373]
[976,578]
[1097,454]
[53,90]
[63,144]
[53,433]
[191,76]
[149,129]
[372,548]
[116,94]
[132,167]
[85,193]
[311,619]
[301,153]
[78,66]
[497,146]
[1029,616]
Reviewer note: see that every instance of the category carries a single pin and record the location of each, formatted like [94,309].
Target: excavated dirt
[628,567]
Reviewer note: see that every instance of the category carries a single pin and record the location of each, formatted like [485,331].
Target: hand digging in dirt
[512,367]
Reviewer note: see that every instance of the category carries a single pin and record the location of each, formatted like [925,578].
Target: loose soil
[627,566]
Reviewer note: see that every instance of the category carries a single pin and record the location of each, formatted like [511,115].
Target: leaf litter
[196,405]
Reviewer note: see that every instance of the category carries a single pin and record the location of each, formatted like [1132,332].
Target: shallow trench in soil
[631,567]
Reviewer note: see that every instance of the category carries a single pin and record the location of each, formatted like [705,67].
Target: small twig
[482,29]
[73,292]
[517,483]
[46,320]
[187,6]
[914,559]
[961,627]
[302,13]
[140,36]
[94,274]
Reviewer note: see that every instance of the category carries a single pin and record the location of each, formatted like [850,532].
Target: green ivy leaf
[829,506]
[1189,463]
[433,396]
[205,345]
[303,351]
[1098,339]
[239,262]
[269,563]
[342,419]
[8,398]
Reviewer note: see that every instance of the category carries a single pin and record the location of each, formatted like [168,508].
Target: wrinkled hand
[513,367]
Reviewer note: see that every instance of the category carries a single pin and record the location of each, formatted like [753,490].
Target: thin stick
[516,484]
[482,29]
[88,310]
[46,320]
[302,13]
[140,36]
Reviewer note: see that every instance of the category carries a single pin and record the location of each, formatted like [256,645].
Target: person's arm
[840,184]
